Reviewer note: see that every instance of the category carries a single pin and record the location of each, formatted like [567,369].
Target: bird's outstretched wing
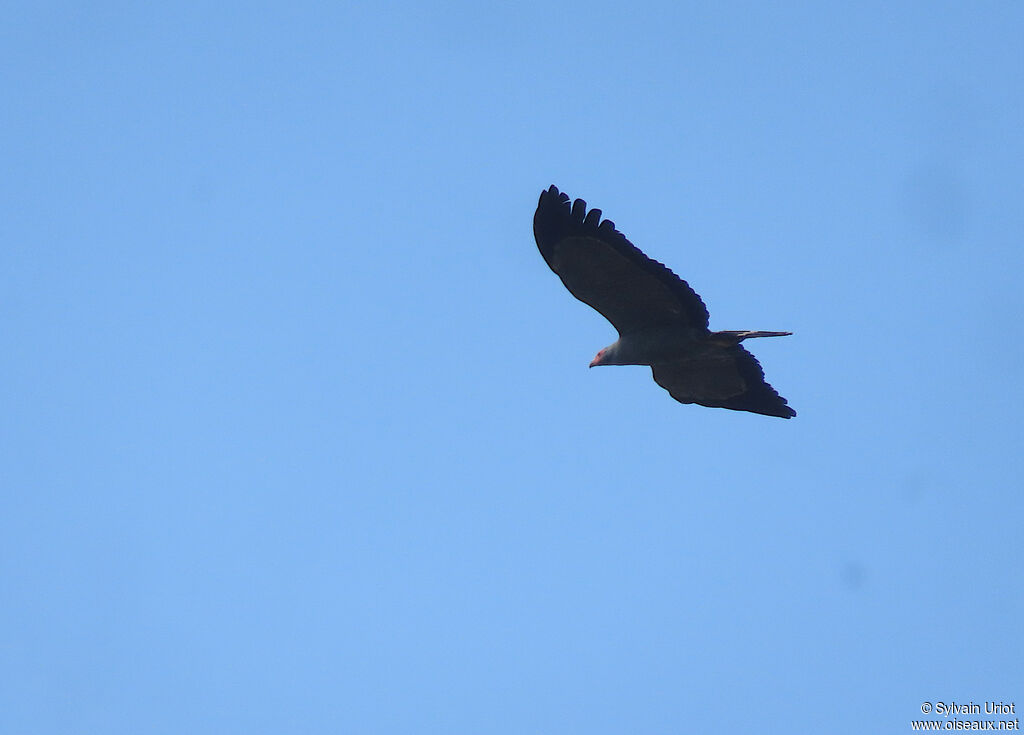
[731,378]
[604,270]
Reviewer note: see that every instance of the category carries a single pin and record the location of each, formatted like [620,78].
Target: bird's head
[610,355]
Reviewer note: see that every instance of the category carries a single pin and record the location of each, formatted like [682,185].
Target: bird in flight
[661,321]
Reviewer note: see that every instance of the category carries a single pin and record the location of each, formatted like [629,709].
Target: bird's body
[652,345]
[661,321]
[670,344]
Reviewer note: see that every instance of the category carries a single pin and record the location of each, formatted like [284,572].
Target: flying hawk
[661,321]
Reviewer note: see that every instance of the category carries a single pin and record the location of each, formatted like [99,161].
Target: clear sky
[297,431]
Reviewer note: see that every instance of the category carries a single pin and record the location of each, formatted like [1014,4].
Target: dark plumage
[660,320]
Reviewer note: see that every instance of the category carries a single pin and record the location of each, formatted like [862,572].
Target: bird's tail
[742,335]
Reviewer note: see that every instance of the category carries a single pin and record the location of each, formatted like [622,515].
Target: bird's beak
[592,362]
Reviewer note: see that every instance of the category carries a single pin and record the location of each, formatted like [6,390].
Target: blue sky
[298,431]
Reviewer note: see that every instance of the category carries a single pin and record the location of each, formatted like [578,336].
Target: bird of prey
[661,321]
